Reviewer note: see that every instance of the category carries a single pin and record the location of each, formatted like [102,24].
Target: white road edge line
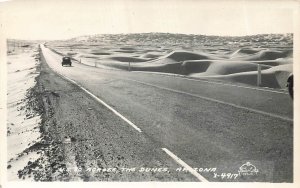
[103,103]
[186,166]
[217,101]
[212,82]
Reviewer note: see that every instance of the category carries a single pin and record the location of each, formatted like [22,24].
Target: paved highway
[136,120]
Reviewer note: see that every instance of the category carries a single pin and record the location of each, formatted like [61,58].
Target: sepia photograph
[148,91]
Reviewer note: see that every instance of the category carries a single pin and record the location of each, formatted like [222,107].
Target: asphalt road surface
[179,129]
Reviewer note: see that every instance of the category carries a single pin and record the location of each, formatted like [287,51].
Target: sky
[62,19]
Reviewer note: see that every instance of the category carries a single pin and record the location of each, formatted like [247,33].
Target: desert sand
[23,122]
[225,59]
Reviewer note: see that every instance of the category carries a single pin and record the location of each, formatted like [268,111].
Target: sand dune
[265,55]
[150,55]
[184,55]
[280,61]
[246,51]
[101,53]
[274,77]
[219,67]
[125,51]
[128,59]
[242,52]
[80,56]
[128,48]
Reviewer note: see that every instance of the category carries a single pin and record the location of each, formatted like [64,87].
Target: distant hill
[189,40]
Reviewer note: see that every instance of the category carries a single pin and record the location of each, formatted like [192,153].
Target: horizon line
[208,35]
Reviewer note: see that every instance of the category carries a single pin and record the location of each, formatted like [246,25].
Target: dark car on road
[66,61]
[290,85]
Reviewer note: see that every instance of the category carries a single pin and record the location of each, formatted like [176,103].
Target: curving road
[183,129]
